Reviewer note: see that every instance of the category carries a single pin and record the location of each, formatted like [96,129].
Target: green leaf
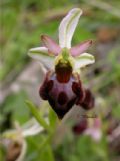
[47,154]
[14,108]
[37,115]
[52,118]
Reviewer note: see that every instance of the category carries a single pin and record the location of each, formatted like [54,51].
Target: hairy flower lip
[63,95]
[53,95]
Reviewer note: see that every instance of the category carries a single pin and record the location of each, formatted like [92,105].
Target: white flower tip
[38,50]
[30,52]
[76,10]
[67,27]
[84,60]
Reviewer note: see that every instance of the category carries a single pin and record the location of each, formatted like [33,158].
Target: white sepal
[34,130]
[83,60]
[41,54]
[67,27]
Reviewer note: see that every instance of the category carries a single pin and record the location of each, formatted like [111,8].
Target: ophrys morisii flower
[90,127]
[62,86]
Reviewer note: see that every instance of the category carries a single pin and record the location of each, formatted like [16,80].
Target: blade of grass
[38,116]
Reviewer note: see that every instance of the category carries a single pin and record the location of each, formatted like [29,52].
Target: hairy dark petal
[71,103]
[45,87]
[49,85]
[61,112]
[88,102]
[78,90]
[42,91]
[51,102]
[62,98]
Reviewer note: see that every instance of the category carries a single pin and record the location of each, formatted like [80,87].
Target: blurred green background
[22,23]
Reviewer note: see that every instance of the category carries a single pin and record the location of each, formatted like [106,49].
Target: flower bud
[80,127]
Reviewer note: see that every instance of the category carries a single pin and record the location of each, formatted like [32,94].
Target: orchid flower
[94,129]
[17,137]
[89,127]
[62,86]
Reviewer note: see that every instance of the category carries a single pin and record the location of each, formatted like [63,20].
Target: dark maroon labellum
[64,93]
[62,98]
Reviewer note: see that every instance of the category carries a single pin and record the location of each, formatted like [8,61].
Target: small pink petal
[95,130]
[80,48]
[96,134]
[52,46]
[97,123]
